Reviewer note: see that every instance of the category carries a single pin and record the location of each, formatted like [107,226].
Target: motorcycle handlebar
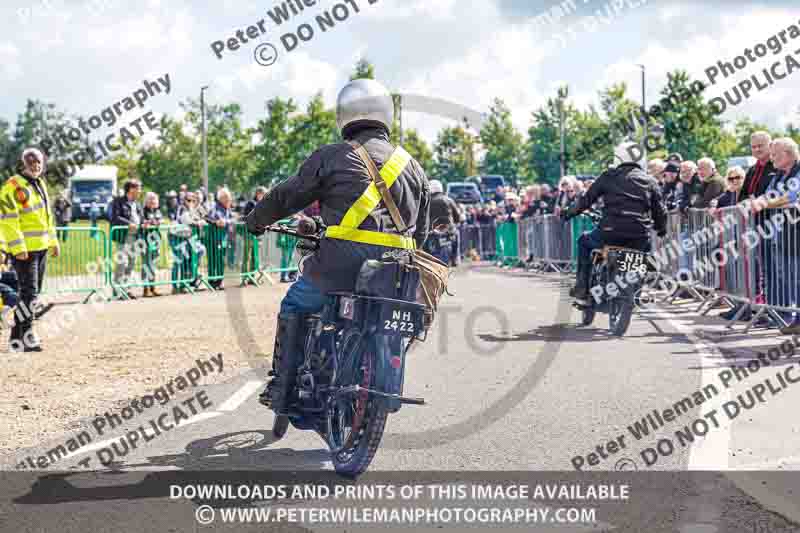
[313,236]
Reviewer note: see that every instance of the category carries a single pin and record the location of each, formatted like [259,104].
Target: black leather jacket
[336,176]
[444,210]
[632,203]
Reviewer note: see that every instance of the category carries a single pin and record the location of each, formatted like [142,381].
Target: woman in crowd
[149,233]
[218,238]
[733,184]
[189,248]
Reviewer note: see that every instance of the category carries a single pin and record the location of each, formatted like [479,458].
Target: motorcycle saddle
[601,254]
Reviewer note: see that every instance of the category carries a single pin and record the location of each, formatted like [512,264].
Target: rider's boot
[286,357]
[581,289]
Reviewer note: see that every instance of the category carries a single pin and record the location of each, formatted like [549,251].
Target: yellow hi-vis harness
[347,229]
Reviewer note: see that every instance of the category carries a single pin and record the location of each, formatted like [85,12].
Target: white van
[90,183]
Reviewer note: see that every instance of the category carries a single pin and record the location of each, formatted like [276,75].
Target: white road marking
[241,395]
[230,404]
[710,452]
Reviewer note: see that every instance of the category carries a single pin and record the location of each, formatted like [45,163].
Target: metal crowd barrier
[733,255]
[117,259]
[480,238]
[277,253]
[548,243]
[79,267]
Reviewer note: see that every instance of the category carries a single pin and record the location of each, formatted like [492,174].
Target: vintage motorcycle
[619,276]
[440,243]
[353,368]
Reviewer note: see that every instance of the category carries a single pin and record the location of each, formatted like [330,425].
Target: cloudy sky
[85,55]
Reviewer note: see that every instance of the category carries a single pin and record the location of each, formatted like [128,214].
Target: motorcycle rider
[632,205]
[444,216]
[359,226]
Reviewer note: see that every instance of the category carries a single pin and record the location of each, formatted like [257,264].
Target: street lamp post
[205,142]
[563,92]
[644,113]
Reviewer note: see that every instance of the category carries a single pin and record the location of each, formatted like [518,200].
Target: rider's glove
[256,229]
[307,226]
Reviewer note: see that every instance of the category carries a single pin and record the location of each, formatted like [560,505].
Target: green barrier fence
[113,260]
[278,253]
[79,268]
[506,240]
[580,225]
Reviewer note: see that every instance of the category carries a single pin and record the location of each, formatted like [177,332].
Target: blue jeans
[303,298]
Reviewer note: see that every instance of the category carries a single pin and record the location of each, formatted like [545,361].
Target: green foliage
[453,155]
[6,145]
[543,147]
[502,142]
[175,159]
[419,150]
[310,131]
[364,69]
[286,135]
[690,126]
[273,160]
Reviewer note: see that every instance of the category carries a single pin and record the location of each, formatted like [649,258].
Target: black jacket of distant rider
[444,210]
[632,202]
[336,176]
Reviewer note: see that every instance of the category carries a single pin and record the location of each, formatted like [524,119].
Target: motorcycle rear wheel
[354,448]
[619,315]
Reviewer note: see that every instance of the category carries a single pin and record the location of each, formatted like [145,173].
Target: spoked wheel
[356,421]
[619,315]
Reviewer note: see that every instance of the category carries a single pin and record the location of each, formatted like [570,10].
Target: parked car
[464,193]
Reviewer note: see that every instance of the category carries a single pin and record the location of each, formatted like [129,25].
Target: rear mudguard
[390,365]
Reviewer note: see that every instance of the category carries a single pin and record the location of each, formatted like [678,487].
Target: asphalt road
[511,384]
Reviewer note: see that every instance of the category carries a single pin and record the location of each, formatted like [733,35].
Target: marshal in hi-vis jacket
[26,223]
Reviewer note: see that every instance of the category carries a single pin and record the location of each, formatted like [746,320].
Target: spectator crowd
[773,181]
[199,227]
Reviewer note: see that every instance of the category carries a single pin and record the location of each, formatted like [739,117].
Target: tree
[42,121]
[744,129]
[690,125]
[543,146]
[6,145]
[127,161]
[230,156]
[502,142]
[593,146]
[273,160]
[419,150]
[452,154]
[793,132]
[363,70]
[309,131]
[175,159]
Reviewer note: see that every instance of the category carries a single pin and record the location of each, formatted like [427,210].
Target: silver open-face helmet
[364,100]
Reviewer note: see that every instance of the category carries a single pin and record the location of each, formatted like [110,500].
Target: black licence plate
[396,320]
[632,261]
